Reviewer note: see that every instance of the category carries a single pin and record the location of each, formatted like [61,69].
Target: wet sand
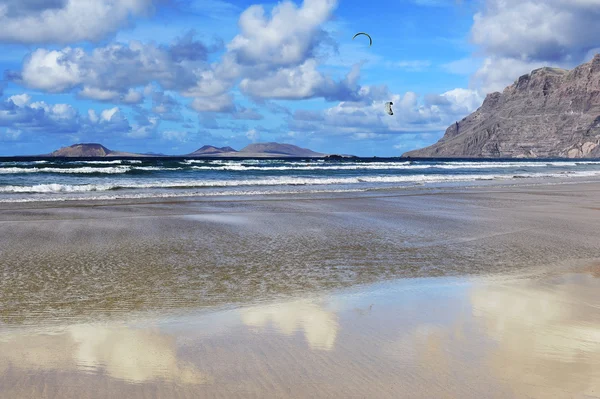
[488,292]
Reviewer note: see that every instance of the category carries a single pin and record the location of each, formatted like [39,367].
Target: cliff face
[547,113]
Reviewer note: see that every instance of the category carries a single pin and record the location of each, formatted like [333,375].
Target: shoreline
[413,190]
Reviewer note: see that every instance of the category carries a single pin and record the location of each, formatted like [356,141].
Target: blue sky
[169,76]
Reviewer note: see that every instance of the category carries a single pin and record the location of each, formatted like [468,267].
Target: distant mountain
[89,150]
[547,113]
[211,150]
[258,150]
[278,150]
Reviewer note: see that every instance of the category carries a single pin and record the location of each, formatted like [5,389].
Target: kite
[388,108]
[367,35]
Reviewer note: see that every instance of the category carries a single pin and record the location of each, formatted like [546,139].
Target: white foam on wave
[56,188]
[277,181]
[115,162]
[262,166]
[178,195]
[85,170]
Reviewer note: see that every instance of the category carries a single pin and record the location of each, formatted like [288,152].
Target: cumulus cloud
[273,57]
[19,114]
[288,38]
[65,21]
[166,106]
[112,72]
[20,99]
[222,103]
[496,72]
[517,36]
[253,135]
[367,119]
[301,82]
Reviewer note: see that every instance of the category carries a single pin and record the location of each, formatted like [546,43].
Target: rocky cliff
[549,112]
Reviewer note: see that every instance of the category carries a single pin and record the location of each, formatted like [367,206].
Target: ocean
[44,179]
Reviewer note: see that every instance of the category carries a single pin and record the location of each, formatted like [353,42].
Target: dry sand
[449,293]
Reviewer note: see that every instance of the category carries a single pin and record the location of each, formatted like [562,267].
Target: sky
[168,76]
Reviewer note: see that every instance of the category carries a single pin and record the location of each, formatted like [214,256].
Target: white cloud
[63,111]
[222,103]
[288,38]
[517,36]
[20,99]
[98,94]
[108,114]
[273,56]
[133,97]
[112,72]
[144,130]
[67,21]
[53,71]
[301,82]
[367,119]
[58,119]
[497,73]
[253,135]
[92,115]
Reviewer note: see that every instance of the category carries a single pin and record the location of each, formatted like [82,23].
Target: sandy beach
[449,292]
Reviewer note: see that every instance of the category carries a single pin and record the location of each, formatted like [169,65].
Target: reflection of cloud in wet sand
[548,334]
[122,353]
[320,326]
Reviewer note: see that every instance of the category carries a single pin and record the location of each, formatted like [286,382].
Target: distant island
[548,113]
[257,150]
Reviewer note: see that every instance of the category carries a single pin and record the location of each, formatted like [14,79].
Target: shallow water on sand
[420,338]
[464,293]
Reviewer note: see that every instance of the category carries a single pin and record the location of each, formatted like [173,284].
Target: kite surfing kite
[367,35]
[388,108]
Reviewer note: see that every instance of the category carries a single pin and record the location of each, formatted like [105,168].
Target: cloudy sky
[169,76]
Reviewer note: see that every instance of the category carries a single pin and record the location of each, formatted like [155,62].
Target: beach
[483,291]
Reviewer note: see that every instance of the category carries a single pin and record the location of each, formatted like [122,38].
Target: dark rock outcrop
[549,112]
